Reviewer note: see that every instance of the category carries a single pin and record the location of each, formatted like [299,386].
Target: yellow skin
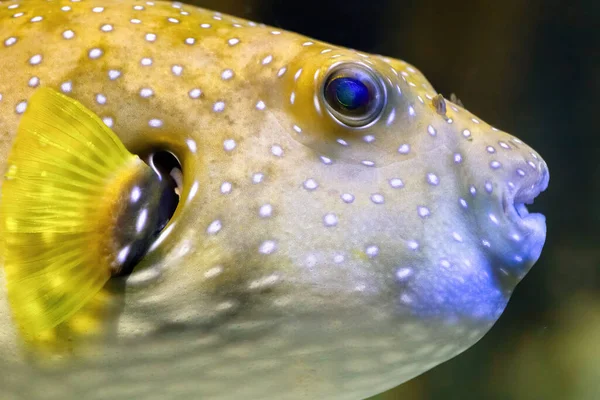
[306,259]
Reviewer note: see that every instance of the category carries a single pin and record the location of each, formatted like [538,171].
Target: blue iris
[349,93]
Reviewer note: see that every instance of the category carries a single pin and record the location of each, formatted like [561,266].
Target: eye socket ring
[354,95]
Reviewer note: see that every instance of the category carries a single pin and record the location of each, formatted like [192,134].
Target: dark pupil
[350,93]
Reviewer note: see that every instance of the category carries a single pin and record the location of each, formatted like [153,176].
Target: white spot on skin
[192,145]
[177,70]
[229,144]
[264,282]
[372,251]
[396,183]
[10,41]
[258,177]
[433,179]
[213,272]
[369,138]
[297,129]
[297,75]
[267,60]
[493,218]
[95,53]
[193,190]
[66,87]
[325,160]
[423,211]
[310,184]
[431,130]
[195,93]
[173,20]
[265,211]
[277,151]
[68,34]
[368,163]
[34,82]
[135,21]
[227,74]
[106,28]
[214,227]
[338,259]
[205,26]
[108,121]
[36,59]
[413,245]
[495,164]
[155,123]
[267,247]
[292,98]
[377,198]
[146,92]
[233,41]
[146,61]
[330,220]
[411,111]
[260,105]
[488,187]
[226,187]
[457,158]
[466,133]
[347,198]
[403,273]
[97,9]
[190,41]
[113,74]
[404,149]
[100,98]
[391,117]
[21,107]
[457,236]
[281,72]
[150,37]
[219,106]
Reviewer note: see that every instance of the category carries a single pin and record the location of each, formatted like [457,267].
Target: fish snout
[527,177]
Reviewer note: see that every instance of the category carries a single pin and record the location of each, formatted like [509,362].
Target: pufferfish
[196,206]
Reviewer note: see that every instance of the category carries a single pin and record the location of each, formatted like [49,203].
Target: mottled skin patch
[423,255]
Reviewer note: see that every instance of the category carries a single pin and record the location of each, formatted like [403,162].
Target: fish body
[313,254]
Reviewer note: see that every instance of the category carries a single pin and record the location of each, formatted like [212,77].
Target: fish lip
[514,201]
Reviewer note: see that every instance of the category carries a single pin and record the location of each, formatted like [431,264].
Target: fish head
[423,201]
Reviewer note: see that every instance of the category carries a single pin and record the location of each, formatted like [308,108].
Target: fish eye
[149,206]
[354,95]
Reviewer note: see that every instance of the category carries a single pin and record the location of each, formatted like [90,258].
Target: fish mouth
[515,203]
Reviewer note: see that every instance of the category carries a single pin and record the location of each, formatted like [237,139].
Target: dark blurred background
[532,68]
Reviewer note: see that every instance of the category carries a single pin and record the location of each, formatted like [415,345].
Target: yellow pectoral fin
[62,177]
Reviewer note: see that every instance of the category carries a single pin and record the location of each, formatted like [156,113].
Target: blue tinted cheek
[350,93]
